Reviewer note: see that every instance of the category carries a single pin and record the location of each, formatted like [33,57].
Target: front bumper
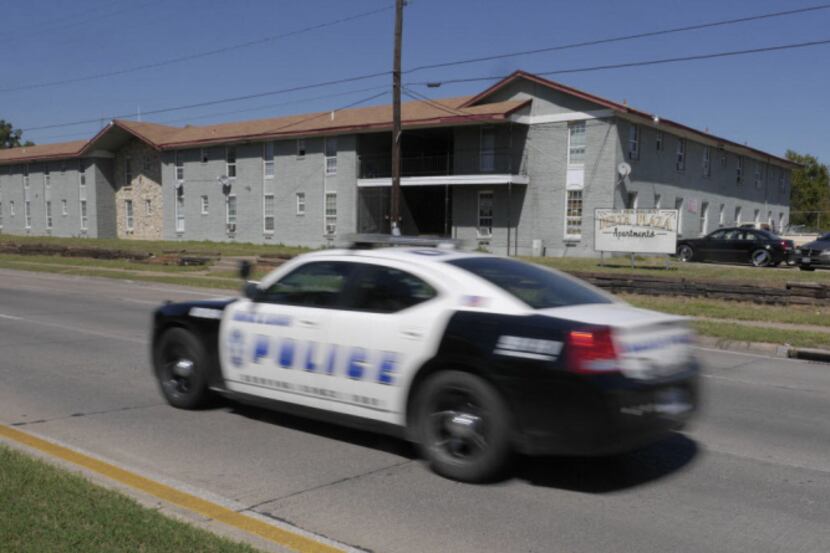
[603,415]
[805,260]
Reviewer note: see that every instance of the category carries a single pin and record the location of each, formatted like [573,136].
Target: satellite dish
[624,169]
[223,180]
[178,184]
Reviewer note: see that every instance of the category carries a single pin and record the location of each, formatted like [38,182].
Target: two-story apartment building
[517,169]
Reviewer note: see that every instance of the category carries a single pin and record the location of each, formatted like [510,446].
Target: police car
[471,356]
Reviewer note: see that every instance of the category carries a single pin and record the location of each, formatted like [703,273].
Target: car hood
[817,245]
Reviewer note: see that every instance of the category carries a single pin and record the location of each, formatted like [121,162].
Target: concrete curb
[769,350]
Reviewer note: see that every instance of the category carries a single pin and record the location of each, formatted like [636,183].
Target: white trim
[561,117]
[452,180]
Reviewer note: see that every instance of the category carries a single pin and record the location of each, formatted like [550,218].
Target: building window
[203,155]
[576,143]
[758,177]
[724,159]
[739,170]
[485,213]
[268,160]
[128,171]
[204,205]
[680,164]
[704,217]
[738,213]
[331,213]
[179,209]
[300,203]
[230,213]
[633,141]
[268,215]
[84,218]
[179,166]
[707,161]
[631,200]
[230,162]
[573,214]
[128,215]
[81,174]
[678,205]
[658,144]
[148,207]
[300,148]
[487,150]
[27,213]
[64,208]
[721,215]
[781,186]
[658,201]
[331,155]
[26,177]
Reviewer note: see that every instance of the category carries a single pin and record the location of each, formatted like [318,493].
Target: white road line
[76,329]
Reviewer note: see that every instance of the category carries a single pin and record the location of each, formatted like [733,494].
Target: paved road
[752,475]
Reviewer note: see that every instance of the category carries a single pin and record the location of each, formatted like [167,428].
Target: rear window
[536,286]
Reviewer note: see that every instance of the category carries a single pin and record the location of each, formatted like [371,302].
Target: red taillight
[592,351]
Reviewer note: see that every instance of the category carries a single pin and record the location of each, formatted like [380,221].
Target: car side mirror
[244,269]
[251,290]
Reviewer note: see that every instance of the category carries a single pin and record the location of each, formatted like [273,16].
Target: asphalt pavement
[752,474]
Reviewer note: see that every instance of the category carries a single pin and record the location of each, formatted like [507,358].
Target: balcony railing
[376,166]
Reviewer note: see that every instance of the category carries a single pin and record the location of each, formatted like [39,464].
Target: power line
[78,18]
[637,63]
[197,55]
[610,40]
[215,102]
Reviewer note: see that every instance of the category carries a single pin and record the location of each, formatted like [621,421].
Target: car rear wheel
[180,364]
[761,258]
[685,253]
[463,427]
[806,268]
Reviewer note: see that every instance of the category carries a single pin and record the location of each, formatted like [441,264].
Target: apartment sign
[635,230]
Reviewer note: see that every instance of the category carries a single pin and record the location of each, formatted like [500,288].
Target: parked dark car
[761,248]
[814,254]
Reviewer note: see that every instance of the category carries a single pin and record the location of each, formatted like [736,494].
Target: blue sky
[773,101]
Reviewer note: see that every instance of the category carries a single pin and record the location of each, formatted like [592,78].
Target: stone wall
[144,189]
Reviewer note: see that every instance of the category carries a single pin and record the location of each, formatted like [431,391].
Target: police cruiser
[471,356]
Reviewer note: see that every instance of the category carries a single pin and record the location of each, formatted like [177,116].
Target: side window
[316,284]
[387,290]
[717,235]
[747,235]
[732,235]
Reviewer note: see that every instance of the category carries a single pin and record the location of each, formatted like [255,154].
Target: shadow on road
[610,474]
[583,474]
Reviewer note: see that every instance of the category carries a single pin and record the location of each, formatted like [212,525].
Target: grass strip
[48,509]
[100,263]
[742,311]
[743,333]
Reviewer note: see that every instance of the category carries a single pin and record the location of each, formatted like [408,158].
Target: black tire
[760,258]
[685,253]
[181,369]
[462,426]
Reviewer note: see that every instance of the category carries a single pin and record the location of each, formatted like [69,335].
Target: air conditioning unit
[231,227]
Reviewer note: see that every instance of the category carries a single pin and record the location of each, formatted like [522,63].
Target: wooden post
[395,211]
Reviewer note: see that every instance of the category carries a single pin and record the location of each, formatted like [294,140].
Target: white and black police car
[471,356]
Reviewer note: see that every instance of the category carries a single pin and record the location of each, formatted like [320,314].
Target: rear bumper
[604,415]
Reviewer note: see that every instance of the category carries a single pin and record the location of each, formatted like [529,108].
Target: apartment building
[516,169]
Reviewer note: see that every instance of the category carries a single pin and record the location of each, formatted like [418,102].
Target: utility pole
[395,196]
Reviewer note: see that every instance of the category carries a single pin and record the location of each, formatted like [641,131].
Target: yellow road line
[282,537]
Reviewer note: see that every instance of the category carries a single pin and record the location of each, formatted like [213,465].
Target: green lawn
[743,333]
[98,263]
[743,311]
[48,510]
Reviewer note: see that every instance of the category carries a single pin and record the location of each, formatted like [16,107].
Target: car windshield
[825,237]
[536,286]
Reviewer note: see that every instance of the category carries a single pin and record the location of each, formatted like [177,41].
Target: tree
[10,137]
[809,192]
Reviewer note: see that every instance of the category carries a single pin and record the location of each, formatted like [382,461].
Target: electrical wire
[635,63]
[622,38]
[196,55]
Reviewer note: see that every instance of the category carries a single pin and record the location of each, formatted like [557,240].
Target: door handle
[414,334]
[307,323]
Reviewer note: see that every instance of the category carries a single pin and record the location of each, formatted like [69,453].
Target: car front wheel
[685,253]
[761,258]
[180,365]
[463,427]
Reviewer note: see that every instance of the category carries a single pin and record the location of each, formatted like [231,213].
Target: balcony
[458,163]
